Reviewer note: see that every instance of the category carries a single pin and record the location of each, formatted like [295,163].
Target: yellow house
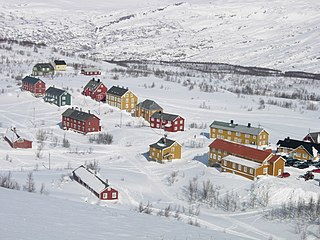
[60,65]
[122,98]
[146,108]
[300,150]
[165,149]
[244,161]
[244,134]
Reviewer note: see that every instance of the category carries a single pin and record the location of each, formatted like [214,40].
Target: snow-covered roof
[13,135]
[247,129]
[241,161]
[90,179]
[90,69]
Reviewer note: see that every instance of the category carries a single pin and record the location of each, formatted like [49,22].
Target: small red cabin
[15,140]
[34,85]
[166,121]
[79,121]
[90,71]
[93,183]
[96,90]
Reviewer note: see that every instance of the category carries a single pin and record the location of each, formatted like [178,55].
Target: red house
[34,85]
[79,121]
[90,71]
[96,90]
[15,140]
[168,122]
[93,183]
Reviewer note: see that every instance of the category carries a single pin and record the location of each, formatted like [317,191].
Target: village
[240,149]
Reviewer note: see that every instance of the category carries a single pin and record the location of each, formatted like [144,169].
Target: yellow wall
[127,102]
[299,153]
[228,166]
[260,140]
[157,154]
[60,67]
[146,114]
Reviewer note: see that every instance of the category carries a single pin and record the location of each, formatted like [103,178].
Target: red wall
[109,192]
[175,124]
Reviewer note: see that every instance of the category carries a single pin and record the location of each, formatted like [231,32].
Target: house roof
[241,150]
[163,143]
[39,66]
[90,70]
[230,126]
[242,161]
[90,179]
[315,136]
[31,80]
[59,62]
[118,91]
[13,135]
[274,158]
[55,91]
[78,115]
[93,84]
[293,144]
[149,105]
[164,116]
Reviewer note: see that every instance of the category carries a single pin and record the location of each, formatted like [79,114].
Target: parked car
[296,163]
[317,170]
[291,161]
[284,175]
[303,165]
[308,175]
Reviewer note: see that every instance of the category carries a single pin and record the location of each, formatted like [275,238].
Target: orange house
[244,161]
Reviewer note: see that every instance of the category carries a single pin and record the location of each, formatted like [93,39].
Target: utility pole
[49,161]
[120,118]
[34,117]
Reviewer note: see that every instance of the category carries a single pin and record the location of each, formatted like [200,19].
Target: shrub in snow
[7,182]
[30,185]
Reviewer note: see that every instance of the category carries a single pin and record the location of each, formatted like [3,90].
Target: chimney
[98,80]
[80,109]
[93,79]
[249,125]
[72,108]
[107,182]
[89,111]
[231,121]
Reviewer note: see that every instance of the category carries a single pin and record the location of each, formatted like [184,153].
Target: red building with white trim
[93,183]
[90,71]
[34,85]
[168,122]
[79,121]
[16,140]
[96,90]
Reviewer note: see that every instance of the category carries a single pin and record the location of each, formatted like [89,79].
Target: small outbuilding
[60,65]
[90,71]
[93,183]
[16,140]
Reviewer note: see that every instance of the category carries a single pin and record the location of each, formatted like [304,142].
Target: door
[279,172]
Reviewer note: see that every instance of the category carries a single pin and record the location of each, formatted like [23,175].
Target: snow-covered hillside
[279,34]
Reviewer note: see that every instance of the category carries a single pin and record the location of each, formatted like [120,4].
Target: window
[152,119]
[93,129]
[89,123]
[181,121]
[229,132]
[238,134]
[297,154]
[225,162]
[175,128]
[254,137]
[304,155]
[114,195]
[220,131]
[213,129]
[213,135]
[233,165]
[172,149]
[247,136]
[214,156]
[152,153]
[219,158]
[245,169]
[265,170]
[247,141]
[152,124]
[251,170]
[239,167]
[219,151]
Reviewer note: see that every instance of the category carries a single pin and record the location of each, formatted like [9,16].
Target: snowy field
[276,34]
[125,163]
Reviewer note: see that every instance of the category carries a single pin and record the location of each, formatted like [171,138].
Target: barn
[93,183]
[16,140]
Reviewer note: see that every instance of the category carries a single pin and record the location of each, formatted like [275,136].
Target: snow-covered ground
[277,34]
[125,165]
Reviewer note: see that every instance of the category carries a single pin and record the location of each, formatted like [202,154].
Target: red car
[316,170]
[284,175]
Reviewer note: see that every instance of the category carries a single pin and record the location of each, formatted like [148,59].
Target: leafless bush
[95,166]
[65,142]
[173,177]
[7,182]
[101,138]
[41,135]
[30,185]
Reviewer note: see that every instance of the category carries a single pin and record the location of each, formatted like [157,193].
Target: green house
[43,69]
[57,96]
